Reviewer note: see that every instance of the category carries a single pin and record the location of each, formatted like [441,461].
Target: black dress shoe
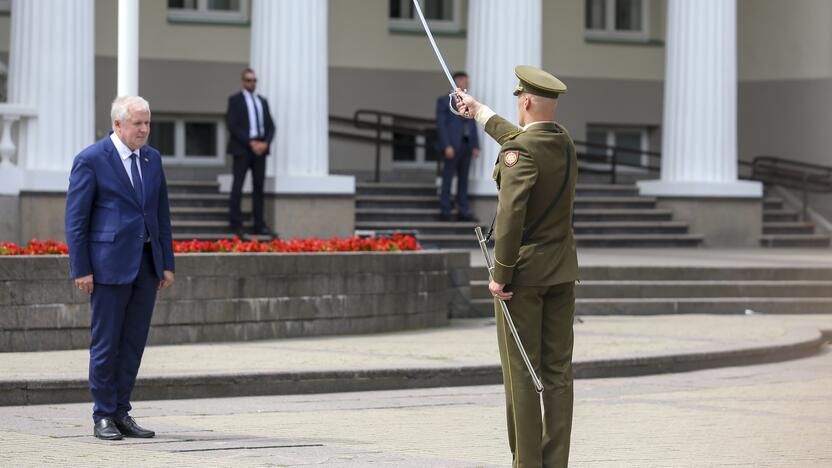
[445,217]
[467,217]
[106,429]
[238,232]
[263,230]
[127,425]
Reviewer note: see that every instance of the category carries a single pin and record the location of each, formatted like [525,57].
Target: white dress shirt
[255,115]
[124,153]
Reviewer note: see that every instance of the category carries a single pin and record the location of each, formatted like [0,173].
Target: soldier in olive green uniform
[535,265]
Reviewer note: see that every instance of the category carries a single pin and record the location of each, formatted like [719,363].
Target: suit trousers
[543,317]
[242,163]
[120,323]
[458,166]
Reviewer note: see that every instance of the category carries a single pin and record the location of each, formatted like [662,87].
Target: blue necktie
[137,178]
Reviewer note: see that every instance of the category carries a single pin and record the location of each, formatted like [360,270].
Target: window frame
[452,26]
[609,33]
[203,15]
[179,157]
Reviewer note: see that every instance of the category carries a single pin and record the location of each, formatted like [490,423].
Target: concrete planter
[239,297]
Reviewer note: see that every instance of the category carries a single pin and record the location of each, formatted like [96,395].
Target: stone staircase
[199,211]
[782,226]
[605,216]
[650,290]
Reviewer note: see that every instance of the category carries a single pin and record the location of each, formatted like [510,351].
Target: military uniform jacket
[529,172]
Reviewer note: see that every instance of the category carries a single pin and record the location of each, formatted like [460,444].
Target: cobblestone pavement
[466,342]
[774,415]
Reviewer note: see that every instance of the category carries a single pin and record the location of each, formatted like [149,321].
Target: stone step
[193,186]
[688,273]
[396,188]
[612,215]
[614,202]
[795,240]
[639,240]
[202,213]
[589,240]
[782,215]
[581,228]
[581,215]
[216,200]
[788,227]
[772,203]
[663,306]
[397,201]
[203,226]
[602,190]
[432,201]
[212,236]
[363,215]
[666,289]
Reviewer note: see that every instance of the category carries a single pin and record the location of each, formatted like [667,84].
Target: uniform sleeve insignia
[510,158]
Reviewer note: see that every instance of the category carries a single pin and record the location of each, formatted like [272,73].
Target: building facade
[372,54]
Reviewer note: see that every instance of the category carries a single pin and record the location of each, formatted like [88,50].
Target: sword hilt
[452,107]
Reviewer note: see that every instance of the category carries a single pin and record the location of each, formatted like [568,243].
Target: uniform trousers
[539,436]
[120,324]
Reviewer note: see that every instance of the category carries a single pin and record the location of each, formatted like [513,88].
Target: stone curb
[796,344]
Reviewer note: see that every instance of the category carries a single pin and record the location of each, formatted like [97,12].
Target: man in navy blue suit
[120,252]
[458,143]
[252,129]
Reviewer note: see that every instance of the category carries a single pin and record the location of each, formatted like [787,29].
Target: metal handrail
[805,177]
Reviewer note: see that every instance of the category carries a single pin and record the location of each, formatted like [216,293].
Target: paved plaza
[773,415]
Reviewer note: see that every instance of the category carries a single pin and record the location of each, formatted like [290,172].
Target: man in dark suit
[252,129]
[120,252]
[458,142]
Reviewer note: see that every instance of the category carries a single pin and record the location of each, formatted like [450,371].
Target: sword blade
[433,43]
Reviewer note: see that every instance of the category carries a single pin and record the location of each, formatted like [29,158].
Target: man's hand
[449,152]
[466,103]
[85,283]
[258,147]
[497,291]
[168,281]
[475,153]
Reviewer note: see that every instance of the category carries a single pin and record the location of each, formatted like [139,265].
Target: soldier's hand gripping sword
[452,95]
[484,247]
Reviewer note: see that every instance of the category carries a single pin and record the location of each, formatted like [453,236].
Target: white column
[501,35]
[699,141]
[51,71]
[289,56]
[128,48]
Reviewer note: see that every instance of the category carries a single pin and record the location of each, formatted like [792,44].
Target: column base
[736,189]
[722,222]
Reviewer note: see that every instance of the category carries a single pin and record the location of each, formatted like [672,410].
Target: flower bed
[396,243]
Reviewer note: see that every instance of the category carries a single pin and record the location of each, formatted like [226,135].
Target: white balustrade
[12,119]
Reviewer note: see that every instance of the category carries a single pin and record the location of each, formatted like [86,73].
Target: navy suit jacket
[236,119]
[105,220]
[450,128]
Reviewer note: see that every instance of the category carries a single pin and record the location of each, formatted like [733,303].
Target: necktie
[256,115]
[137,178]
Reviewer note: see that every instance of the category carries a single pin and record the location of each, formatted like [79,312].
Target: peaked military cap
[533,80]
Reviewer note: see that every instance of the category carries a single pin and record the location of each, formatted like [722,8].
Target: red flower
[395,243]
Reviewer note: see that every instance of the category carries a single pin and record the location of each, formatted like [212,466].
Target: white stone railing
[12,118]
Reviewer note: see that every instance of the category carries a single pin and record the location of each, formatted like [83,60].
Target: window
[189,140]
[635,138]
[441,15]
[617,19]
[208,11]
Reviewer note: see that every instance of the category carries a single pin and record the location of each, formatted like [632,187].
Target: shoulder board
[509,136]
